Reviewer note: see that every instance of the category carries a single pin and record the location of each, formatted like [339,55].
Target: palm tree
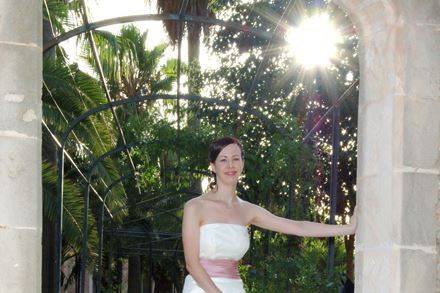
[131,69]
[67,93]
[175,30]
[72,228]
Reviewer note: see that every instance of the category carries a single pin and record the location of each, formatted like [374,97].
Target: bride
[214,229]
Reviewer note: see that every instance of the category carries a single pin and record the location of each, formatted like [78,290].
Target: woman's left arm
[264,219]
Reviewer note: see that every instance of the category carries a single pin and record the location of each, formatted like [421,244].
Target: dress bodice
[222,245]
[223,241]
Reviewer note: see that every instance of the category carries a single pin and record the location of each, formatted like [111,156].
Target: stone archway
[399,137]
[398,143]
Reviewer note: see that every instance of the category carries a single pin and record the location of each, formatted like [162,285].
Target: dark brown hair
[216,147]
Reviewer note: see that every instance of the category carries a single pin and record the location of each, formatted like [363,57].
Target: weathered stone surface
[20,179]
[421,135]
[418,271]
[376,194]
[419,198]
[417,12]
[21,260]
[376,270]
[20,145]
[19,65]
[375,139]
[19,112]
[398,144]
[20,26]
[375,58]
[422,77]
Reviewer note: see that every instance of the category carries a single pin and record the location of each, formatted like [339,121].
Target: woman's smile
[231,173]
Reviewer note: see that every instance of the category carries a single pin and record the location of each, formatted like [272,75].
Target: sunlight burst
[313,42]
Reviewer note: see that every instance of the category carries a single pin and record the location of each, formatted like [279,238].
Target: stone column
[399,139]
[20,145]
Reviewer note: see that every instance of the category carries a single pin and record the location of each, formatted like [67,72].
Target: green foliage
[67,93]
[303,270]
[57,13]
[128,66]
[73,206]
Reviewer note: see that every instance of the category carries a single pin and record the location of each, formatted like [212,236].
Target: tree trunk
[134,274]
[349,248]
[119,274]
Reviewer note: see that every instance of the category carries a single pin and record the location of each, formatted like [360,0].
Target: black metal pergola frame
[88,28]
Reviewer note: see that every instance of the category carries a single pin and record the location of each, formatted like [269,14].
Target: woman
[214,229]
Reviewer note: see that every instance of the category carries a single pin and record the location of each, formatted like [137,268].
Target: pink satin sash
[222,268]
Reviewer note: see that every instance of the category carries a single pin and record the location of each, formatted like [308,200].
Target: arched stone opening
[398,144]
[399,129]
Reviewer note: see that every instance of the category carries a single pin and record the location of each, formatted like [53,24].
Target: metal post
[59,219]
[84,247]
[150,260]
[101,232]
[333,182]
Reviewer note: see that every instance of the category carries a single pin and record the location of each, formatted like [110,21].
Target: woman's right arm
[190,238]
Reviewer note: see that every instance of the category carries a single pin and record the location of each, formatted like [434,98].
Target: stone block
[422,64]
[421,134]
[374,16]
[19,26]
[420,12]
[376,136]
[376,78]
[20,179]
[377,270]
[378,217]
[21,113]
[18,69]
[21,260]
[418,271]
[419,198]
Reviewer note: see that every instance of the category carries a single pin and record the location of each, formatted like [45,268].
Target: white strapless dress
[221,241]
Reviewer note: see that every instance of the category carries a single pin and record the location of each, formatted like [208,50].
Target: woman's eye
[236,159]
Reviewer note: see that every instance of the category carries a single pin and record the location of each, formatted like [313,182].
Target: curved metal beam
[154,17]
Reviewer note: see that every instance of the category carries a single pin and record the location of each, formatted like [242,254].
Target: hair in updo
[216,147]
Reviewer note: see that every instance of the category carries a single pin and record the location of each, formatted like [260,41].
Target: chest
[220,213]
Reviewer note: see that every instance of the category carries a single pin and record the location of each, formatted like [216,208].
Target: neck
[225,193]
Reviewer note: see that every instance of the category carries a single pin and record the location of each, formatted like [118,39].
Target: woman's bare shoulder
[195,202]
[247,204]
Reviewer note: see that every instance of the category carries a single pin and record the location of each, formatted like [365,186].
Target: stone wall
[20,145]
[399,139]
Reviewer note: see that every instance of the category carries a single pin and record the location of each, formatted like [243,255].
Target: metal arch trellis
[81,118]
[54,138]
[63,140]
[105,86]
[102,223]
[88,27]
[84,256]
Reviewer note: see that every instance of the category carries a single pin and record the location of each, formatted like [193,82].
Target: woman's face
[229,164]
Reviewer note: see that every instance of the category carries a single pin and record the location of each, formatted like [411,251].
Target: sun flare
[313,42]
